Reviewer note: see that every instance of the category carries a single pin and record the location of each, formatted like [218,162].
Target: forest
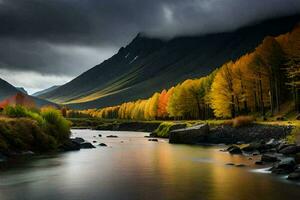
[259,83]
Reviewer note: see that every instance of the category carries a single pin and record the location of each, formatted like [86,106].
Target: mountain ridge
[7,91]
[149,64]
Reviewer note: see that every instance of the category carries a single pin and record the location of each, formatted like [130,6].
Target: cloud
[35,83]
[65,38]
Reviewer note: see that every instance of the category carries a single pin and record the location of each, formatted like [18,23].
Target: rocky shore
[226,134]
[252,140]
[283,157]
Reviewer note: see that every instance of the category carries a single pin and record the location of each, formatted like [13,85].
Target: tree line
[258,82]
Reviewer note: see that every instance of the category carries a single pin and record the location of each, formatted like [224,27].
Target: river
[132,168]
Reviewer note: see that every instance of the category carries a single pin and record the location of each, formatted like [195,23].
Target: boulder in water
[70,145]
[269,158]
[286,165]
[102,145]
[292,149]
[87,145]
[153,140]
[78,140]
[234,150]
[191,135]
[112,136]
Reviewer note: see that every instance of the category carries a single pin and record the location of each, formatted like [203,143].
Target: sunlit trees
[222,93]
[254,83]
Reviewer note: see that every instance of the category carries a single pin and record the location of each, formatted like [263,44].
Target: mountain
[21,89]
[150,64]
[46,90]
[7,91]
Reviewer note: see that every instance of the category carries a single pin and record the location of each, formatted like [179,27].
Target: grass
[23,129]
[165,128]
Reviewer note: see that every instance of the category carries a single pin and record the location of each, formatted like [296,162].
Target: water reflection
[138,169]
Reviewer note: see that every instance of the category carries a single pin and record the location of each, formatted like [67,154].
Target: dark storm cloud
[113,22]
[66,37]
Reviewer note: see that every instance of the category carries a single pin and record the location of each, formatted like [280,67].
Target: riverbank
[26,132]
[220,130]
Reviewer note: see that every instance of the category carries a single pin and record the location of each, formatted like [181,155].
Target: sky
[49,42]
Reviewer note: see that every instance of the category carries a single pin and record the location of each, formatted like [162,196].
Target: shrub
[15,111]
[56,126]
[32,129]
[22,135]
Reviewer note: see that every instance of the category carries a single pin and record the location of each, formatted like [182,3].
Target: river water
[132,168]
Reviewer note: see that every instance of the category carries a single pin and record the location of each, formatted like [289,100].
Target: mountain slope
[45,90]
[147,64]
[7,91]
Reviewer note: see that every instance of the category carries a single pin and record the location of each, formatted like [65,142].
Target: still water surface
[133,168]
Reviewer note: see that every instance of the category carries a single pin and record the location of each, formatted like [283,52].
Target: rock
[272,143]
[191,135]
[259,162]
[87,145]
[255,146]
[294,176]
[240,142]
[78,140]
[112,136]
[282,146]
[234,150]
[269,158]
[99,135]
[102,145]
[153,140]
[94,141]
[250,158]
[231,164]
[292,149]
[70,145]
[286,165]
[240,165]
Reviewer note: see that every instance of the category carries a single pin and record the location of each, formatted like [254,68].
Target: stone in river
[234,150]
[153,140]
[286,165]
[102,145]
[112,136]
[77,140]
[269,158]
[259,162]
[190,135]
[100,135]
[240,165]
[231,164]
[70,145]
[87,145]
[294,176]
[292,149]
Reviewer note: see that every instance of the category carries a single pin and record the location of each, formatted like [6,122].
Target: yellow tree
[222,93]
